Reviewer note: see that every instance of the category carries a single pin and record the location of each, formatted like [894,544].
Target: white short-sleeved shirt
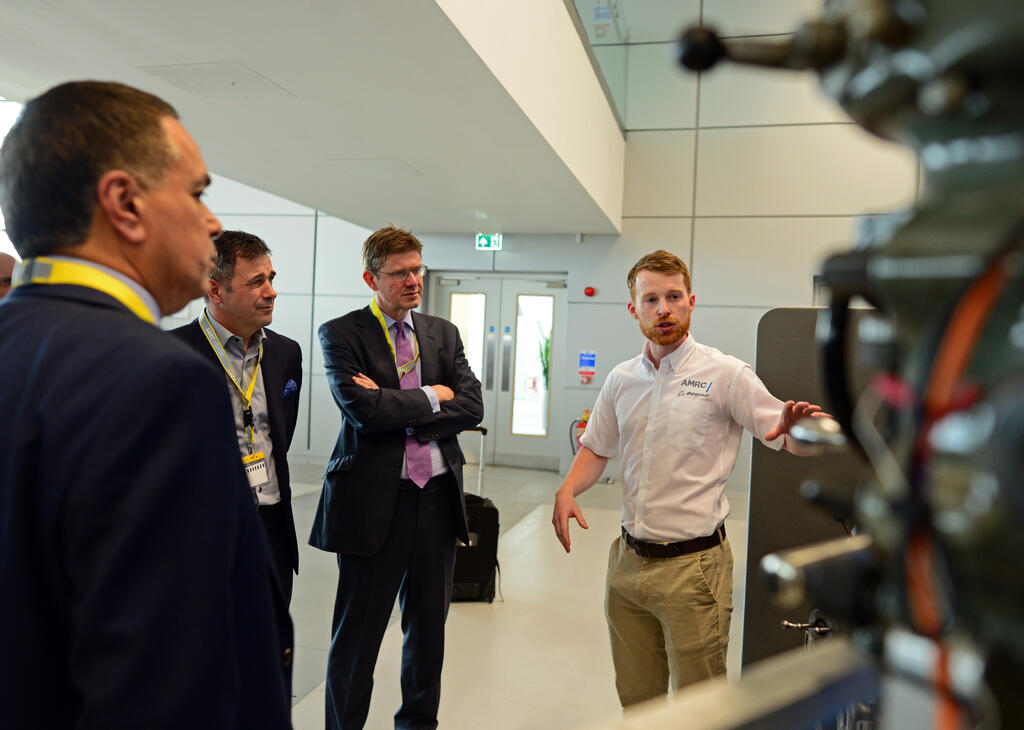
[677,430]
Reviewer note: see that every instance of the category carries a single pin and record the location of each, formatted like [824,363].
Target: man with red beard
[674,414]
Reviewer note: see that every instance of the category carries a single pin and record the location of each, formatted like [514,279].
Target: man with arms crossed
[263,372]
[138,592]
[674,414]
[391,506]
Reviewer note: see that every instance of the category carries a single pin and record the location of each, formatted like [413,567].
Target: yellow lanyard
[404,367]
[244,393]
[43,270]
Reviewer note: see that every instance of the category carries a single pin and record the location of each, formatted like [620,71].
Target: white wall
[750,176]
[532,48]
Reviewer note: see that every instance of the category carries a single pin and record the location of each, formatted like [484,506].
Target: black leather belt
[674,549]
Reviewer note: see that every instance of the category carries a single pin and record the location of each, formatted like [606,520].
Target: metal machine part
[837,573]
[942,422]
[793,690]
[818,434]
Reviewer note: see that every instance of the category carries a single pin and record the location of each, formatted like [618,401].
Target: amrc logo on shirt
[695,388]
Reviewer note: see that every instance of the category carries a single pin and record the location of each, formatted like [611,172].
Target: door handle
[489,358]
[506,358]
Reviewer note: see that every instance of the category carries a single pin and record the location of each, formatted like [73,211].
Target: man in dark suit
[137,587]
[391,506]
[263,372]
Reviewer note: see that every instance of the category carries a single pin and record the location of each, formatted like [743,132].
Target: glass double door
[509,328]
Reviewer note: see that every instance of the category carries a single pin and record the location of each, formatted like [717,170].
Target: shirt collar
[224,334]
[391,321]
[147,299]
[674,359]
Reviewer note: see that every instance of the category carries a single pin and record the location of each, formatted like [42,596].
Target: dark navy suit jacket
[361,480]
[281,363]
[127,531]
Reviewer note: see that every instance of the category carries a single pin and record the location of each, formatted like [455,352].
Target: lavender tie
[417,455]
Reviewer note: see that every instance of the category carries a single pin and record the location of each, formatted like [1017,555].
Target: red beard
[665,337]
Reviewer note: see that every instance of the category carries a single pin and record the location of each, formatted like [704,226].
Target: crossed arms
[361,390]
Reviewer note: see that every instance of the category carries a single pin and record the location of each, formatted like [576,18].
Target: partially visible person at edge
[138,589]
[674,415]
[7,263]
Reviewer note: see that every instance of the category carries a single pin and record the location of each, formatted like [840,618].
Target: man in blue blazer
[263,374]
[391,506]
[138,592]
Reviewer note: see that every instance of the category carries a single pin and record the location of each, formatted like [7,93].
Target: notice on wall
[587,366]
[602,19]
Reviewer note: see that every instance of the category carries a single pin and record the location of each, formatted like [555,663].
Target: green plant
[544,345]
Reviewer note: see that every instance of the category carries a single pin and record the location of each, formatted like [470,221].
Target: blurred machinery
[929,588]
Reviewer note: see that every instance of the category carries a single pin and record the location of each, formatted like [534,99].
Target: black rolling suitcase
[476,563]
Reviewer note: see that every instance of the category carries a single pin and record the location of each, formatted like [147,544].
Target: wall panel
[763,262]
[290,239]
[757,17]
[659,174]
[803,170]
[339,267]
[604,261]
[661,95]
[732,95]
[226,197]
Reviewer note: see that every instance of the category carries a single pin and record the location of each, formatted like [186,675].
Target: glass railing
[603,25]
[633,48]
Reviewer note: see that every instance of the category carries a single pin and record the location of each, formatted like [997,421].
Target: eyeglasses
[403,274]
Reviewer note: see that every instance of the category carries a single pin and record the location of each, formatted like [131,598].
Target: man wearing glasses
[391,506]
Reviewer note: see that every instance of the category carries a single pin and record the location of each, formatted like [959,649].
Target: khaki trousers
[667,618]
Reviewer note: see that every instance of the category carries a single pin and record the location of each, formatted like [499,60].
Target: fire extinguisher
[576,429]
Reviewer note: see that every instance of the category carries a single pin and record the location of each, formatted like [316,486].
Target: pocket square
[290,388]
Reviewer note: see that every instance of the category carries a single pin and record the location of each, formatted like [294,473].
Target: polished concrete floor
[538,656]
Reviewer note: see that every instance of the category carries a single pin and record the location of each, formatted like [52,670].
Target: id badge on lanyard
[254,463]
[256,471]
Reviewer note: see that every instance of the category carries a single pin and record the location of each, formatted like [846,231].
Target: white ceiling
[369,110]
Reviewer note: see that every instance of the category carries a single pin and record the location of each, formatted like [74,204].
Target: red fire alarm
[590,291]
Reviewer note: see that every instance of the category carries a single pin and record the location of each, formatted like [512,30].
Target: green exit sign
[488,242]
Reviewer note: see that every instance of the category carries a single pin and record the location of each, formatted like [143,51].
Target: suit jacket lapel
[273,386]
[377,347]
[204,345]
[430,367]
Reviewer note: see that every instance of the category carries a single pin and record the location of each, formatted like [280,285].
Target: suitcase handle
[480,464]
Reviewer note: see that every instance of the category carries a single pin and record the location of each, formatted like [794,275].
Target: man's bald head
[7,263]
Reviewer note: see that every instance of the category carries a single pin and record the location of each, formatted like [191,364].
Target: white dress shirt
[677,430]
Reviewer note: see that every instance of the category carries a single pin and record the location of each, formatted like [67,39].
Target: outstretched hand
[792,412]
[566,507]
